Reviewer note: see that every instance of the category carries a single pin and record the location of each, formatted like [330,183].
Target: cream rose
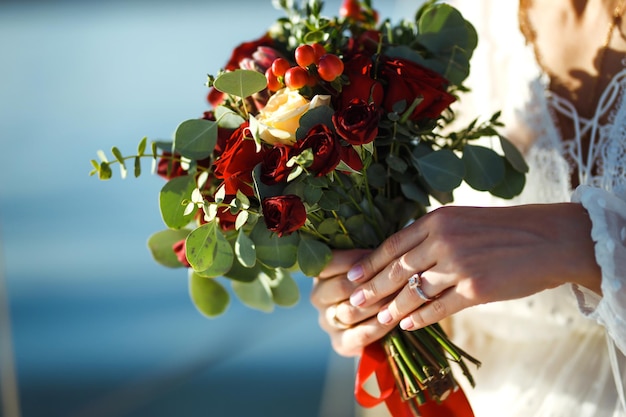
[278,121]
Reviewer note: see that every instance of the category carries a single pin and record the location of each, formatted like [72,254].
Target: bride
[537,289]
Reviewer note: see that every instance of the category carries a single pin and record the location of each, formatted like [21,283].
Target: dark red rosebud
[169,166]
[283,214]
[274,167]
[360,85]
[350,156]
[325,147]
[234,167]
[357,123]
[406,80]
[179,249]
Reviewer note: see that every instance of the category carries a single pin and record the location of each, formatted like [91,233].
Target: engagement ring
[415,283]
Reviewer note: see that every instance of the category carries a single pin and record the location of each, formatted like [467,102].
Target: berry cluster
[311,60]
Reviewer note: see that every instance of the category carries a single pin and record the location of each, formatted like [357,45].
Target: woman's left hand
[466,256]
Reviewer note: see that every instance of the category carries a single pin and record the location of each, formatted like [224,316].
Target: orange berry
[280,66]
[320,51]
[305,55]
[329,67]
[273,84]
[296,78]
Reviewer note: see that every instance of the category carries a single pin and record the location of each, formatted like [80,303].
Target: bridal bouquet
[326,133]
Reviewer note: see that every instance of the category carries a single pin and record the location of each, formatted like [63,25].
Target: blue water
[98,329]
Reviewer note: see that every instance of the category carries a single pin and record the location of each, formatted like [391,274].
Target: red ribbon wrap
[374,361]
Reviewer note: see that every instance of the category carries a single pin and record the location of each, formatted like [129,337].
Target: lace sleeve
[608,217]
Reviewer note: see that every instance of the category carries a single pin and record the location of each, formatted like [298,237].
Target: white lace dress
[559,352]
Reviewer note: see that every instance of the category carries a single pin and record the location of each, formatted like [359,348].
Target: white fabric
[547,355]
[559,353]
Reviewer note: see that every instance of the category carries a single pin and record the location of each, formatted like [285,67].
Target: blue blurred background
[96,327]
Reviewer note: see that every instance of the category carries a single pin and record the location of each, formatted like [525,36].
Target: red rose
[236,163]
[351,157]
[357,123]
[274,167]
[325,147]
[360,85]
[179,249]
[284,214]
[408,81]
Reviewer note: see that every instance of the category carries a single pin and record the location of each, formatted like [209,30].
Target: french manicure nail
[355,273]
[357,298]
[384,317]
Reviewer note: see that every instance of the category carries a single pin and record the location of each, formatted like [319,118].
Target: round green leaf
[160,245]
[274,251]
[208,251]
[313,256]
[513,155]
[245,250]
[442,169]
[171,197]
[208,295]
[256,294]
[240,83]
[285,292]
[512,185]
[484,168]
[227,118]
[195,138]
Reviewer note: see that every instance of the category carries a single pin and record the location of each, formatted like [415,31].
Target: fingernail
[406,323]
[384,317]
[355,273]
[357,298]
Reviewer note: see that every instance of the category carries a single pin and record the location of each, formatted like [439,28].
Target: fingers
[448,303]
[391,250]
[342,261]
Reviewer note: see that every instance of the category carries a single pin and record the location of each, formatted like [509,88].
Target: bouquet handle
[374,361]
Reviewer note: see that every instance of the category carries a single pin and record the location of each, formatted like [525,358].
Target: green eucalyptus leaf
[512,184]
[245,250]
[329,226]
[377,175]
[209,296]
[171,198]
[312,195]
[318,115]
[240,83]
[274,251]
[285,291]
[240,273]
[484,168]
[415,193]
[256,294]
[313,256]
[513,155]
[195,138]
[104,172]
[137,166]
[208,251]
[442,169]
[161,243]
[141,148]
[228,119]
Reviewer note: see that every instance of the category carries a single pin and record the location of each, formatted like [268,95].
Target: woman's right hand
[350,328]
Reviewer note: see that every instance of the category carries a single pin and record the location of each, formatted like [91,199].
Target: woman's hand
[467,256]
[350,328]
